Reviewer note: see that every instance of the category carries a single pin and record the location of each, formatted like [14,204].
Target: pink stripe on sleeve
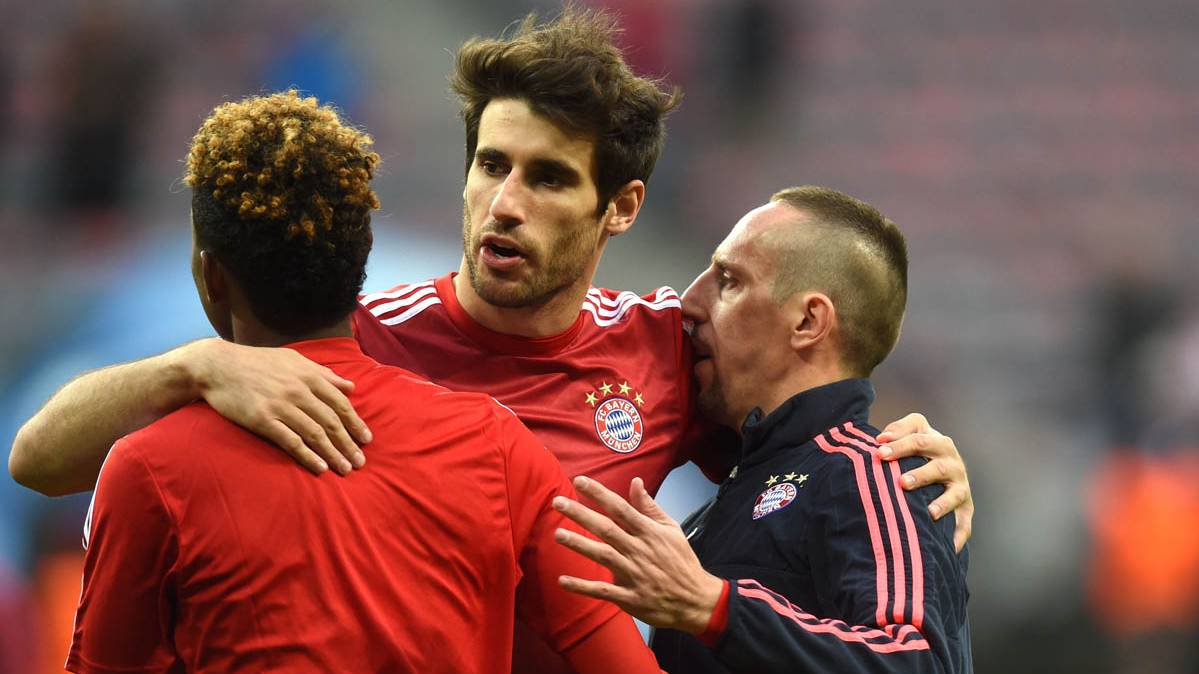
[837,628]
[876,465]
[913,540]
[876,539]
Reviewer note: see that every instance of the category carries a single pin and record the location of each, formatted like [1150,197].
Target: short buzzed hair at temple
[858,258]
[281,195]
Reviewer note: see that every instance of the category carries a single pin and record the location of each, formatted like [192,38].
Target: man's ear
[623,208]
[212,274]
[813,320]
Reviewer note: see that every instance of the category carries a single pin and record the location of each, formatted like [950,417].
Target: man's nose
[508,204]
[696,297]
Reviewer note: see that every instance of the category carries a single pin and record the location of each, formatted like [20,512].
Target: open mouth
[500,253]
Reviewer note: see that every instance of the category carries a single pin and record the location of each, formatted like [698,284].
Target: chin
[712,404]
[503,293]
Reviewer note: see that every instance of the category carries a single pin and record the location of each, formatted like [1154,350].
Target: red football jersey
[207,551]
[610,397]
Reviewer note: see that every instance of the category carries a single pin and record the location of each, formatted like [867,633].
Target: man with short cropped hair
[811,557]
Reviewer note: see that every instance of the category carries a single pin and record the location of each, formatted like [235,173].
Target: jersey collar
[499,342]
[330,350]
[804,416]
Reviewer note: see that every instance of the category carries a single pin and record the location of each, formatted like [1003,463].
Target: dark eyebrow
[556,169]
[490,154]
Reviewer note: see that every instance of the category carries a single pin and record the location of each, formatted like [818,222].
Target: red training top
[207,551]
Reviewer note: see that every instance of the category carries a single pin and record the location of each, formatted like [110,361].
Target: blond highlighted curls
[285,161]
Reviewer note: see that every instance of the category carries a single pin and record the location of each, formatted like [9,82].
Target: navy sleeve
[891,589]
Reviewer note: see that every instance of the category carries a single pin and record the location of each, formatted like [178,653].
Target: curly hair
[571,72]
[281,195]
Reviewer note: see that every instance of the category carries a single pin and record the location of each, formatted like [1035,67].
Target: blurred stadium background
[1042,158]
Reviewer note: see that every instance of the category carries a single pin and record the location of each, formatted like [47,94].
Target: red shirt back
[208,551]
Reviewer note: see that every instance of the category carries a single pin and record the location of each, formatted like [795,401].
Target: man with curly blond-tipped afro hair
[281,198]
[208,551]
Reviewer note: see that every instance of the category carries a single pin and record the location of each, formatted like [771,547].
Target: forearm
[60,450]
[767,633]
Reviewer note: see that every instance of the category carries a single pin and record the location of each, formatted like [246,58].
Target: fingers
[597,589]
[952,474]
[645,503]
[333,411]
[930,445]
[965,526]
[607,530]
[595,551]
[344,385]
[616,507]
[335,398]
[953,498]
[278,433]
[912,423]
[313,436]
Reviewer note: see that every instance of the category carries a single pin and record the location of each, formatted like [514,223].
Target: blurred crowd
[1041,157]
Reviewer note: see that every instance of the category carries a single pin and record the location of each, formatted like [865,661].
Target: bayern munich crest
[774,498]
[618,421]
[619,425]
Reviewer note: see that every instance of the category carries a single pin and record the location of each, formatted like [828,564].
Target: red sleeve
[615,647]
[125,618]
[535,477]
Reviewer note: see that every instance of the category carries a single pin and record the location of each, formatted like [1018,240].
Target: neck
[803,378]
[550,318]
[253,333]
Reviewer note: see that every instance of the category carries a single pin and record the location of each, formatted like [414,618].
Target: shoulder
[609,307]
[175,433]
[400,303]
[850,465]
[433,402]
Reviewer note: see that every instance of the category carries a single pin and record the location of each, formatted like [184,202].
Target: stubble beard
[568,262]
[714,405]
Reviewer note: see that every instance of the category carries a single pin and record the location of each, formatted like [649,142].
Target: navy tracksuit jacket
[830,565]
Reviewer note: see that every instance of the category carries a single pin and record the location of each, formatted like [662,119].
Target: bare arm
[276,393]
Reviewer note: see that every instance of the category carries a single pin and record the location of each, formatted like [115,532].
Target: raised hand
[658,578]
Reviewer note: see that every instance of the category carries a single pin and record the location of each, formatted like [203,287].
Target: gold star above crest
[625,388]
[803,478]
[591,398]
[606,388]
[772,480]
[638,399]
[790,476]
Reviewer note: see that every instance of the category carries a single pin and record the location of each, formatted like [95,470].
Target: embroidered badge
[776,497]
[618,422]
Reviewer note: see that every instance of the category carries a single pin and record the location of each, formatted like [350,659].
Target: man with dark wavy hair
[194,567]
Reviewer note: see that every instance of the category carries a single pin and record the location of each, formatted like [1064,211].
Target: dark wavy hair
[571,72]
[281,195]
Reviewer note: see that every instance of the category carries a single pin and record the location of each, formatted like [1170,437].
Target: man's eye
[549,181]
[491,168]
[725,281]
